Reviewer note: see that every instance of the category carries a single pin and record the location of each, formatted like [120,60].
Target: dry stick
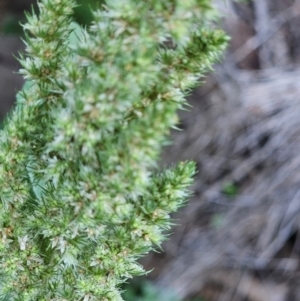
[255,42]
[285,229]
[261,25]
[267,255]
[250,287]
[258,40]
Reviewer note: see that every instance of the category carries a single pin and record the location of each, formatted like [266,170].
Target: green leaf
[230,189]
[76,32]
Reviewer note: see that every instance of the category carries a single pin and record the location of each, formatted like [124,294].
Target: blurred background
[238,238]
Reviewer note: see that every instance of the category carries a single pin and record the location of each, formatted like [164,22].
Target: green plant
[81,195]
[145,291]
[230,189]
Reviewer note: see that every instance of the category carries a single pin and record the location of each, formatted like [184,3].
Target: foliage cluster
[81,195]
